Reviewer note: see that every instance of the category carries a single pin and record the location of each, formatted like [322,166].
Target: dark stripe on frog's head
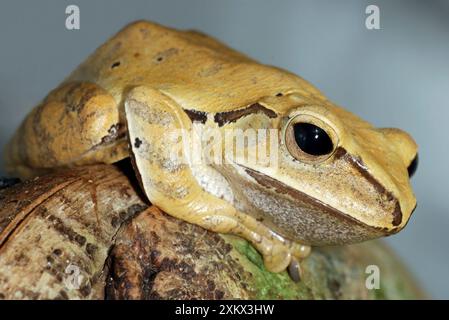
[358,164]
[282,188]
[314,222]
[196,116]
[231,116]
[310,206]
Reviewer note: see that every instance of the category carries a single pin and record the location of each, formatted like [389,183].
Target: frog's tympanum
[337,179]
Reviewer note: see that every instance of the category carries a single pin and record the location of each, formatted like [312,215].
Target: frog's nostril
[413,166]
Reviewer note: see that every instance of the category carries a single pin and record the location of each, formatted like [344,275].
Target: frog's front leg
[154,122]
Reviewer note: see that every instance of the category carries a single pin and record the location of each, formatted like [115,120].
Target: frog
[337,179]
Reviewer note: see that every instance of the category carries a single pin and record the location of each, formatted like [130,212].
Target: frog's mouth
[303,218]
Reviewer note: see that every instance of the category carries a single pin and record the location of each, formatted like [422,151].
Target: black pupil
[312,139]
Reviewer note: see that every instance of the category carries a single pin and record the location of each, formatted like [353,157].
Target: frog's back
[194,69]
[82,120]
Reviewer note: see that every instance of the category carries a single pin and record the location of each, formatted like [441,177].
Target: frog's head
[338,178]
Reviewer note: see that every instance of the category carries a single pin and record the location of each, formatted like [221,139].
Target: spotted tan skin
[148,80]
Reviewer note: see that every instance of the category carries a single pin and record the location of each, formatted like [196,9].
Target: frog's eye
[310,139]
[413,166]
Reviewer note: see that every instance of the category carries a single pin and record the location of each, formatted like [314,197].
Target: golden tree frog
[168,98]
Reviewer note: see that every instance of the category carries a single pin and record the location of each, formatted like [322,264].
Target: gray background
[394,77]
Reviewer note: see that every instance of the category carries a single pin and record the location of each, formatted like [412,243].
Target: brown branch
[94,222]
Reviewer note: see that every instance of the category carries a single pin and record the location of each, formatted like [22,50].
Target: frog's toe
[300,251]
[286,255]
[276,258]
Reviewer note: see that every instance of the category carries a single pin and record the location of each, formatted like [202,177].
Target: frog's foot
[278,253]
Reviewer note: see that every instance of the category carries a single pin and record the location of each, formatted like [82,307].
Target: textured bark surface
[88,233]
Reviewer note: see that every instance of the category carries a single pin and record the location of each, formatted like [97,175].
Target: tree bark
[89,233]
